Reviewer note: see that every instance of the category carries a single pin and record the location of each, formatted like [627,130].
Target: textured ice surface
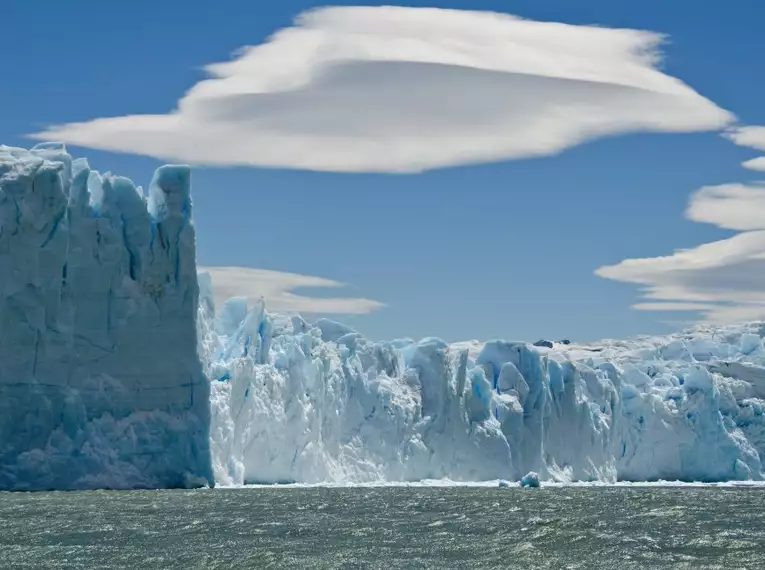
[308,403]
[100,382]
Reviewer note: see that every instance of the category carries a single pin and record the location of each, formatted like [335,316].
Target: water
[387,527]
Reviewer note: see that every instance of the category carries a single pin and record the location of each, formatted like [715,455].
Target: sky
[430,173]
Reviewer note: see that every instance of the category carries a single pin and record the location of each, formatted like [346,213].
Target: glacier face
[100,381]
[116,372]
[299,402]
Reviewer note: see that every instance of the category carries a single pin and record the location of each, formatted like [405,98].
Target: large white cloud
[722,280]
[393,89]
[276,287]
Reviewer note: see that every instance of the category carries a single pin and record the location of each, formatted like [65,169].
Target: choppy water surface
[388,527]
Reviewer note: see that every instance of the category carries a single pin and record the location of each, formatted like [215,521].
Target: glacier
[299,402]
[117,370]
[101,385]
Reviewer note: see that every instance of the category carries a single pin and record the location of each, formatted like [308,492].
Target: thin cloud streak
[276,287]
[755,164]
[751,137]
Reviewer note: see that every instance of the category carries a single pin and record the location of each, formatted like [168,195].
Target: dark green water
[390,527]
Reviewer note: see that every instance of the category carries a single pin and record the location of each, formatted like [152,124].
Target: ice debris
[531,479]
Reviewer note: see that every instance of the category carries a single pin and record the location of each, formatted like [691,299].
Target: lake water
[387,527]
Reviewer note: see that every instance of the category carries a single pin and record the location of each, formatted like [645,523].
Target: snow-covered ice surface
[295,402]
[100,382]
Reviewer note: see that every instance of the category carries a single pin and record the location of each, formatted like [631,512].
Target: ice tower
[100,382]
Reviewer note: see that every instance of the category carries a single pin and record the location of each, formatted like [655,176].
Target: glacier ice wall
[115,372]
[100,382]
[299,402]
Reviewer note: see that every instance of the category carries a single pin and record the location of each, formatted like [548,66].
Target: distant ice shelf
[116,371]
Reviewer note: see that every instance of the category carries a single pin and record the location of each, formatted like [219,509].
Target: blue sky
[506,249]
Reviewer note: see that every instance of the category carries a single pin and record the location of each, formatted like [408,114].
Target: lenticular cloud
[276,289]
[723,279]
[393,89]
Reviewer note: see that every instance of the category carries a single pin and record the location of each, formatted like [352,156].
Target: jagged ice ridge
[299,402]
[116,371]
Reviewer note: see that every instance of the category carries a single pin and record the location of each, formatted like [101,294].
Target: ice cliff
[100,382]
[117,372]
[300,402]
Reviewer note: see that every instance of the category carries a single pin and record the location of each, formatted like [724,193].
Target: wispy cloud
[755,163]
[722,280]
[752,137]
[276,287]
[393,89]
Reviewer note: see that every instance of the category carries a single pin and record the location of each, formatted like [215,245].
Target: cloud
[755,163]
[394,89]
[722,280]
[752,137]
[730,206]
[276,288]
